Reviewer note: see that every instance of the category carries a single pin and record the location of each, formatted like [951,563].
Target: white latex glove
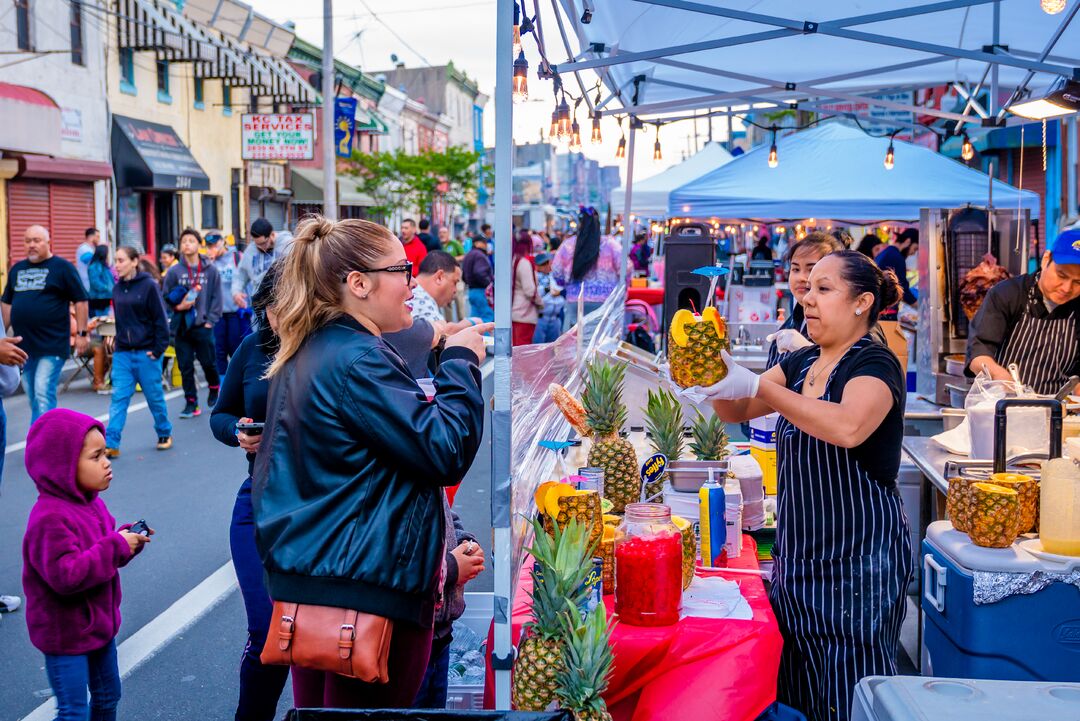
[738,384]
[789,340]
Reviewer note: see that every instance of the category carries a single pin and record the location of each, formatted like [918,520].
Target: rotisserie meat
[978,282]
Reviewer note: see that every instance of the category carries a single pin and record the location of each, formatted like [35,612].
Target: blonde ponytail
[309,292]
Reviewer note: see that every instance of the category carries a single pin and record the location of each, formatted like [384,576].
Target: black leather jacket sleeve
[431,442]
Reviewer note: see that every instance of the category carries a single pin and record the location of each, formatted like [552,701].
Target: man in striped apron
[1034,321]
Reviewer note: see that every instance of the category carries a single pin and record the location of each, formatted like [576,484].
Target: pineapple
[1028,490]
[560,502]
[607,553]
[710,440]
[664,421]
[585,674]
[689,549]
[694,345]
[605,415]
[996,520]
[558,592]
[958,502]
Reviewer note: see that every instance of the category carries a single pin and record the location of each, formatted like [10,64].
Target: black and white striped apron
[1044,348]
[842,563]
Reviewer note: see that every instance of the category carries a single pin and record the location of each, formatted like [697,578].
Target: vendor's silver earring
[364,296]
[858,311]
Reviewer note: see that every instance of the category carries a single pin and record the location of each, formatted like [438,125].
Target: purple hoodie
[71,551]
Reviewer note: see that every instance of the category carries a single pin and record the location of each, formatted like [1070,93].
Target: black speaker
[687,247]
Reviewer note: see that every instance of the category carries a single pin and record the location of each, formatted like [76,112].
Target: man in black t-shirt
[36,305]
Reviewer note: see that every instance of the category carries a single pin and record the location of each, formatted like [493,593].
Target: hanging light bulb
[517,29]
[596,138]
[967,152]
[620,152]
[564,128]
[890,156]
[575,136]
[656,154]
[774,158]
[521,78]
[1053,7]
[553,131]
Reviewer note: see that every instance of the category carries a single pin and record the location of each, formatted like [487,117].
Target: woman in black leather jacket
[348,481]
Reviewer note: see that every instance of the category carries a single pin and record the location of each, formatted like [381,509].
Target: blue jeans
[3,437]
[432,693]
[71,676]
[228,332]
[41,375]
[479,306]
[548,328]
[130,367]
[260,686]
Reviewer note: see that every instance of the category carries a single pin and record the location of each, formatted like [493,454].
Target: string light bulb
[967,151]
[596,138]
[553,131]
[563,118]
[656,153]
[517,30]
[620,152]
[890,156]
[774,157]
[521,78]
[575,136]
[1053,7]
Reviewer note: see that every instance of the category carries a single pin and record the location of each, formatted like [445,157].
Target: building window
[226,99]
[211,212]
[200,103]
[127,71]
[22,24]
[163,95]
[77,33]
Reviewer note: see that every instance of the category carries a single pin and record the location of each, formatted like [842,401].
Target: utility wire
[393,32]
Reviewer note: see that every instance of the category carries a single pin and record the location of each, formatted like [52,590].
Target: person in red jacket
[71,555]
[415,250]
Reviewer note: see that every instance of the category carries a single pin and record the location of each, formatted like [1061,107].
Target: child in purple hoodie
[71,554]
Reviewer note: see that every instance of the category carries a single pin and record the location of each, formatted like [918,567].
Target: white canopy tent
[651,194]
[835,171]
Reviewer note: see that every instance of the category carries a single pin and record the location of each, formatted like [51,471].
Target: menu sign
[278,136]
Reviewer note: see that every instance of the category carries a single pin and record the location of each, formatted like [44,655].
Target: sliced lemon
[712,314]
[541,494]
[679,321]
[551,501]
[681,523]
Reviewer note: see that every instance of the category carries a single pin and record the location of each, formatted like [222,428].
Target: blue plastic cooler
[1032,637]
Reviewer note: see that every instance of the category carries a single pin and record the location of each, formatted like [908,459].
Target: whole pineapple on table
[664,422]
[709,439]
[694,345]
[585,675]
[995,522]
[564,560]
[605,415]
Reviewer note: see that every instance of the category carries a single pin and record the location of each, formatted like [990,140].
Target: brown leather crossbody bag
[324,638]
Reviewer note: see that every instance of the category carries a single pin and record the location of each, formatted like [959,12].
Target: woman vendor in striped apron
[1033,321]
[842,553]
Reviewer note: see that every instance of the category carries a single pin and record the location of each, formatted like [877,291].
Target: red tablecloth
[700,668]
[652,296]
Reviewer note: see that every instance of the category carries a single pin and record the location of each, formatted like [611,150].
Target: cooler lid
[958,547]
[916,698]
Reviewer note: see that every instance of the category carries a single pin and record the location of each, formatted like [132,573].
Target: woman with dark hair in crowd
[587,267]
[349,477]
[242,402]
[843,551]
[526,304]
[762,250]
[869,245]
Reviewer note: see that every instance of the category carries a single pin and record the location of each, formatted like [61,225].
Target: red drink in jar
[648,567]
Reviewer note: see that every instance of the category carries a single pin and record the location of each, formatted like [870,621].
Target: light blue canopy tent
[838,172]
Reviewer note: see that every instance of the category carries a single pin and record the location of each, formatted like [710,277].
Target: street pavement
[180,657]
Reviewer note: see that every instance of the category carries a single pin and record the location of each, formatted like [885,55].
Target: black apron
[1044,348]
[842,564]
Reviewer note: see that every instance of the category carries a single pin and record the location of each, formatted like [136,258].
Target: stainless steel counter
[930,459]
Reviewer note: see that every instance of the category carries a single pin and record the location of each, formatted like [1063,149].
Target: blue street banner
[344,126]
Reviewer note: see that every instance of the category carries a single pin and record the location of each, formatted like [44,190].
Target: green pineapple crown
[664,421]
[584,676]
[710,441]
[565,561]
[604,410]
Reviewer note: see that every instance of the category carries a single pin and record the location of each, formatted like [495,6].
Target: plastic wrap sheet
[535,417]
[314,714]
[699,668]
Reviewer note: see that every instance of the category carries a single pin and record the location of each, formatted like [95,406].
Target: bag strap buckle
[346,637]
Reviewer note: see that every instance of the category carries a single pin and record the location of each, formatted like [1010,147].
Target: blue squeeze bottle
[713,527]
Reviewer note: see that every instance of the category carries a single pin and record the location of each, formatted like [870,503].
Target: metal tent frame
[607,58]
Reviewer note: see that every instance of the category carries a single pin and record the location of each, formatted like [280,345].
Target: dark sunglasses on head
[405,268]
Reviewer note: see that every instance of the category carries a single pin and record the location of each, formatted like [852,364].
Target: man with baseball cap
[1034,321]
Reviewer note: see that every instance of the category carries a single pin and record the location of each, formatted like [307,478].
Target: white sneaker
[9,604]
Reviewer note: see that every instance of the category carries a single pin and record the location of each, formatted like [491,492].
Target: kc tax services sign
[278,136]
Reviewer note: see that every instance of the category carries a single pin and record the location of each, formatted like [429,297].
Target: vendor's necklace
[812,376]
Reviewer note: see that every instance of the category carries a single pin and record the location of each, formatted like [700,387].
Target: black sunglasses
[405,268]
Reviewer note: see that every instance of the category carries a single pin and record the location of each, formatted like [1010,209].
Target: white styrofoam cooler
[918,698]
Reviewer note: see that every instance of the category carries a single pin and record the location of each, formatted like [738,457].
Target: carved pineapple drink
[694,345]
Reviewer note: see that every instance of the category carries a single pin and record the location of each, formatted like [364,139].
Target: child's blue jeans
[71,676]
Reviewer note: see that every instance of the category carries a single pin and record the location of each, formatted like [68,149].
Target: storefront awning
[42,166]
[31,120]
[307,188]
[151,156]
[238,20]
[368,121]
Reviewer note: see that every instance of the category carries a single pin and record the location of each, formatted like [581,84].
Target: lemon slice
[679,321]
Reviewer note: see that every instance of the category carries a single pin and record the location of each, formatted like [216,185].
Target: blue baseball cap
[1065,250]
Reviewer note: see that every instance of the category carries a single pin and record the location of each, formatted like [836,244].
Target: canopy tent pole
[628,228]
[1071,170]
[502,655]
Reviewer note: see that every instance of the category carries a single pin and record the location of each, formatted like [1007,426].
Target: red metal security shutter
[71,213]
[28,204]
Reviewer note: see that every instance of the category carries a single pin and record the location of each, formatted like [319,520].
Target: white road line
[14,447]
[155,635]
